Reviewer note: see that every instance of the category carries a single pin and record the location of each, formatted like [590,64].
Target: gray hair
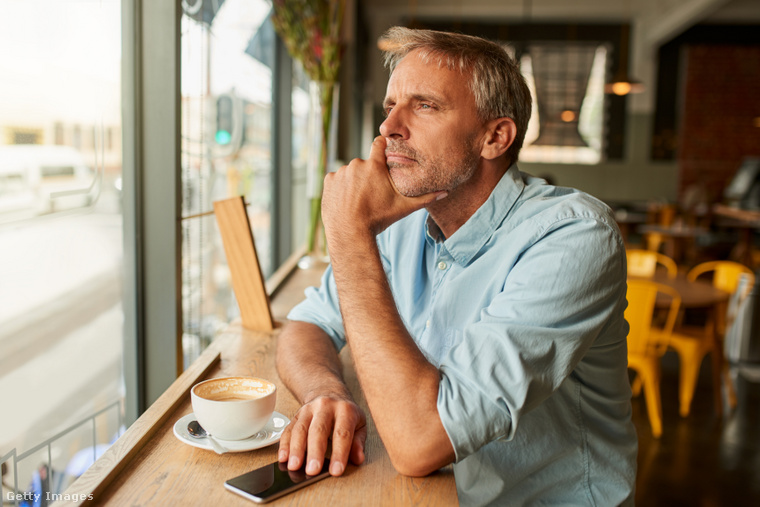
[499,88]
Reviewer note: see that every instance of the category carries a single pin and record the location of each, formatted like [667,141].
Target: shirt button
[441,265]
[427,324]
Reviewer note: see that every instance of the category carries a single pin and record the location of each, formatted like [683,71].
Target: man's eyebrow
[418,97]
[429,97]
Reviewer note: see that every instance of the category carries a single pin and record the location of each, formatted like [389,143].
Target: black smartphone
[273,481]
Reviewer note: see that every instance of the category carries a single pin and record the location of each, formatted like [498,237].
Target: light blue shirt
[522,311]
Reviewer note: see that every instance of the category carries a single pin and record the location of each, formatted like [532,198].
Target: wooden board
[247,280]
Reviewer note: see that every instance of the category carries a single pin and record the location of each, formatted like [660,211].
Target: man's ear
[500,135]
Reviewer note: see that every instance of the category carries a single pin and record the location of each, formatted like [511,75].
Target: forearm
[308,363]
[399,383]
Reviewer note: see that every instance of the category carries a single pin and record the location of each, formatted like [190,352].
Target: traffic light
[202,11]
[224,120]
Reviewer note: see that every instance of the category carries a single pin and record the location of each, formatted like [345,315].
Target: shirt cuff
[470,419]
[306,312]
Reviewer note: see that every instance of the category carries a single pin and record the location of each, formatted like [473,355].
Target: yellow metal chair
[643,263]
[660,214]
[726,274]
[654,241]
[693,343]
[646,344]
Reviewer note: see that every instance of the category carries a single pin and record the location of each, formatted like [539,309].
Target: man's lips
[399,158]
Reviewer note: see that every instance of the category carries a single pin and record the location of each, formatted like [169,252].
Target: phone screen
[273,481]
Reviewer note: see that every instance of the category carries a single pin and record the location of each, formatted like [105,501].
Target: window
[303,113]
[26,136]
[56,171]
[61,305]
[58,133]
[227,150]
[567,85]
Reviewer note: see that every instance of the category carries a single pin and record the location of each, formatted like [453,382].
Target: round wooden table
[701,294]
[696,294]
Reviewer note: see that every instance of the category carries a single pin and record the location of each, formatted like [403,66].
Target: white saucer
[268,436]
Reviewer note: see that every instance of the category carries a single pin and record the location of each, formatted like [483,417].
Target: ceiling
[589,11]
[653,22]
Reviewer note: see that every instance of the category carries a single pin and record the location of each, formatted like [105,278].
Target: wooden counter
[149,465]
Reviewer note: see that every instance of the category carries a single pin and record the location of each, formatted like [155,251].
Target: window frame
[152,194]
[151,199]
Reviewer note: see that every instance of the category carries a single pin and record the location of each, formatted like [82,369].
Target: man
[483,307]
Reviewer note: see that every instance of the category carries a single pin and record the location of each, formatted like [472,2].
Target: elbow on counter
[413,468]
[422,458]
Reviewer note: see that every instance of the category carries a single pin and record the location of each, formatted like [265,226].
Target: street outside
[61,325]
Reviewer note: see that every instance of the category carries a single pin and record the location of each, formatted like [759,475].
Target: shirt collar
[469,239]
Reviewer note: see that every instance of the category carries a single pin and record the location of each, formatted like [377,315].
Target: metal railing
[15,496]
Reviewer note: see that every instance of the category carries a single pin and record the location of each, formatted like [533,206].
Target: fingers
[319,433]
[284,449]
[377,151]
[294,440]
[305,439]
[347,434]
[424,200]
[357,446]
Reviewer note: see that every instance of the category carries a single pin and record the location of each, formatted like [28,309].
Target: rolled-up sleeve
[321,308]
[557,302]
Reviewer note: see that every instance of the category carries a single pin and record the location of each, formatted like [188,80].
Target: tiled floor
[704,459]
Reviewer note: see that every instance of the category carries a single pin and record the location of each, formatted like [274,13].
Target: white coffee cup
[233,408]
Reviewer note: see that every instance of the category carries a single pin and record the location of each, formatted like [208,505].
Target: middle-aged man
[483,307]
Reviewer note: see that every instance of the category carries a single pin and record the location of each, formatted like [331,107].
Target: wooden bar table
[679,239]
[747,223]
[149,465]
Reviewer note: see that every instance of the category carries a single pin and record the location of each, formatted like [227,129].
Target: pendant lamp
[622,83]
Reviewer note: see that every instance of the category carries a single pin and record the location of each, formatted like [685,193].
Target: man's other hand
[319,420]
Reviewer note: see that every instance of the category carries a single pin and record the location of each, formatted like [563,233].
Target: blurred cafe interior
[122,123]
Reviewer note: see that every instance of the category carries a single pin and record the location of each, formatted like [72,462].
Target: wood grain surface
[243,261]
[150,466]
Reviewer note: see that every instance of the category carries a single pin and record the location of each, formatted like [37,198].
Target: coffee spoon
[197,431]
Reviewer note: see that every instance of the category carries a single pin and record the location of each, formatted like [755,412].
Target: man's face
[432,128]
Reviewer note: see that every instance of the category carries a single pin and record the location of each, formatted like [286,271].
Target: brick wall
[719,115]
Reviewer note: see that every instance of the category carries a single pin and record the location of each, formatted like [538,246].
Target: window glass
[61,317]
[567,125]
[227,53]
[302,130]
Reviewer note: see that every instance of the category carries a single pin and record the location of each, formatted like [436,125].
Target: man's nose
[394,126]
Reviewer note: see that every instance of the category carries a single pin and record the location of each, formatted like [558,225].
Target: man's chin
[410,190]
[403,184]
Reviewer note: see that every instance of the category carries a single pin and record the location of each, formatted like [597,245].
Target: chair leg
[730,390]
[691,360]
[651,380]
[717,374]
[636,385]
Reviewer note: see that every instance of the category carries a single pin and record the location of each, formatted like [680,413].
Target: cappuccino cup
[233,408]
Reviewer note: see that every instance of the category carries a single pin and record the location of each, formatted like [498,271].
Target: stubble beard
[445,171]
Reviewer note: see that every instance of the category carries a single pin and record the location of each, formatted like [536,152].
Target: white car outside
[44,179]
